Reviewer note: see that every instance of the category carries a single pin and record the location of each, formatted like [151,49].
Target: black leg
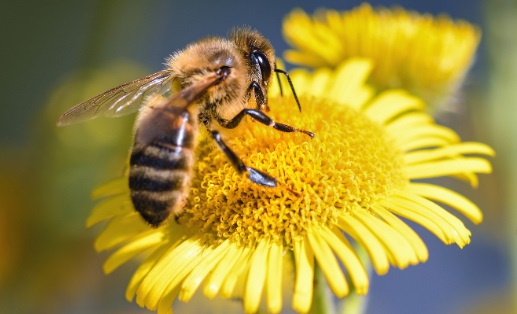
[262,118]
[254,175]
[259,97]
[291,85]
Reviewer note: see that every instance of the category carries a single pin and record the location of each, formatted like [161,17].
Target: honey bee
[210,82]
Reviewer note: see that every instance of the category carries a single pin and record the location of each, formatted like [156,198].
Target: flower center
[349,164]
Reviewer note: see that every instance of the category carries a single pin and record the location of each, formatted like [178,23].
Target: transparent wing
[153,124]
[121,100]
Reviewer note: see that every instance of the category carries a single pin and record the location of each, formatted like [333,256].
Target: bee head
[257,52]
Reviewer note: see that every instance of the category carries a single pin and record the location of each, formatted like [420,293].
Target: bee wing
[154,124]
[121,100]
[190,94]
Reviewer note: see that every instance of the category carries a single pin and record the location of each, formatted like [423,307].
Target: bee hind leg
[254,175]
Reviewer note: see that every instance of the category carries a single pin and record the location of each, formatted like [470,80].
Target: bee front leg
[263,118]
[259,97]
[254,175]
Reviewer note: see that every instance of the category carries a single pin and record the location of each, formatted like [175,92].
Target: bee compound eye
[258,58]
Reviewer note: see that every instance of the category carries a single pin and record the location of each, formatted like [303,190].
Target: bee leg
[262,118]
[259,97]
[178,216]
[254,175]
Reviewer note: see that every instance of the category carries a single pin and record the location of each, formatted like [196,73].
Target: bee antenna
[279,81]
[290,84]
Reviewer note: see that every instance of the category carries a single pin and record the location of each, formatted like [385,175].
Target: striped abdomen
[160,170]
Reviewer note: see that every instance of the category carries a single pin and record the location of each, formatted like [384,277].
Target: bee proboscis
[215,78]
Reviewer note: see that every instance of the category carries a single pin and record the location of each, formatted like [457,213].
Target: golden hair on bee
[214,82]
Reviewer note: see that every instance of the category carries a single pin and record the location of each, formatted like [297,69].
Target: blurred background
[57,53]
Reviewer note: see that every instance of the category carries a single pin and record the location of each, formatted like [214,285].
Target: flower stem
[354,303]
[322,299]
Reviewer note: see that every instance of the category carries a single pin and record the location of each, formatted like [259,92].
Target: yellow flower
[353,181]
[428,56]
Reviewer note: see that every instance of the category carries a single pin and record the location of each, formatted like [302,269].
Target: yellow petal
[408,121]
[211,256]
[451,224]
[169,271]
[447,152]
[346,253]
[409,234]
[114,187]
[419,135]
[303,287]
[451,229]
[390,104]
[297,57]
[165,305]
[256,277]
[120,229]
[112,207]
[225,266]
[424,141]
[448,197]
[274,278]
[328,264]
[368,240]
[448,167]
[319,82]
[140,243]
[242,265]
[404,209]
[142,271]
[400,251]
[347,85]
